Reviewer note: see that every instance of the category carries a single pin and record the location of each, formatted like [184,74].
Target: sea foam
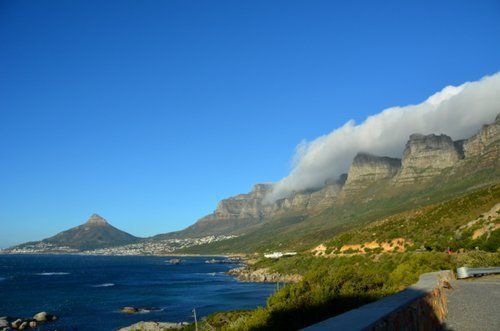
[104,285]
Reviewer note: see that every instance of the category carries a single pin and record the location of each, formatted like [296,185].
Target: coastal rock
[263,275]
[138,310]
[154,326]
[129,310]
[367,169]
[426,156]
[175,261]
[23,323]
[41,317]
[16,323]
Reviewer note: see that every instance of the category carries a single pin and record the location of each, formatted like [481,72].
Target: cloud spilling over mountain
[458,111]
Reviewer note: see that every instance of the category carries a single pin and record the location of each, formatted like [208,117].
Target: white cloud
[458,111]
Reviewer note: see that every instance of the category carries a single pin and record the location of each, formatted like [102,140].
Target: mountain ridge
[432,168]
[95,233]
[425,157]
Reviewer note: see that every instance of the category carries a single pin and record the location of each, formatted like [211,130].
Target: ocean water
[87,292]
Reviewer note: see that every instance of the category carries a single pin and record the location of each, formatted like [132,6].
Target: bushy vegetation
[435,227]
[337,283]
[334,285]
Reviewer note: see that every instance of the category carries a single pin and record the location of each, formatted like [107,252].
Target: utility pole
[195,320]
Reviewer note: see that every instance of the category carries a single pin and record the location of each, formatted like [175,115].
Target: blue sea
[87,292]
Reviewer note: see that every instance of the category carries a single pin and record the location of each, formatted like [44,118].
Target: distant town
[146,247]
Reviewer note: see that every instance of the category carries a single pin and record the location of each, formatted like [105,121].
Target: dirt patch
[488,223]
[319,250]
[486,229]
[394,245]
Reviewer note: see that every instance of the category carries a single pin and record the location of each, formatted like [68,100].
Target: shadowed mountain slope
[95,233]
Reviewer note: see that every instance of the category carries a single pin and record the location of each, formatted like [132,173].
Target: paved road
[474,305]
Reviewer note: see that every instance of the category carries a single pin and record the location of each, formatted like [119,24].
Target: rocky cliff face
[425,156]
[251,205]
[367,169]
[486,143]
[231,215]
[307,200]
[244,206]
[234,214]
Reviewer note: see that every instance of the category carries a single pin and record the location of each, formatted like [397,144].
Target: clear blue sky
[149,112]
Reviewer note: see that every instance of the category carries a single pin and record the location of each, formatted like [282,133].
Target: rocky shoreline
[242,274]
[23,323]
[139,310]
[154,326]
[263,275]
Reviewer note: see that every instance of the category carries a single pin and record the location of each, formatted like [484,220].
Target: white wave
[52,273]
[215,273]
[104,285]
[149,310]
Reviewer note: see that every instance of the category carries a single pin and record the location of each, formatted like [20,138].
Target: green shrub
[331,286]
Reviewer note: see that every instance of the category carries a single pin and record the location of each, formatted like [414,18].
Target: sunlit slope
[303,231]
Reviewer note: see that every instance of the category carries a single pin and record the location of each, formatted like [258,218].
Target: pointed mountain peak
[96,220]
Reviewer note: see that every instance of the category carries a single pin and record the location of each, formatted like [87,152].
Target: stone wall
[422,306]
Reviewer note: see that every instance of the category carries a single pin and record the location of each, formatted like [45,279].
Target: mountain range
[432,168]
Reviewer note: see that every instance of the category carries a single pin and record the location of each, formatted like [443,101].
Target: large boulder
[42,317]
[17,323]
[142,310]
[129,310]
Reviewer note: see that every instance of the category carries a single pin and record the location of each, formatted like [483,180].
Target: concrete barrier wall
[421,306]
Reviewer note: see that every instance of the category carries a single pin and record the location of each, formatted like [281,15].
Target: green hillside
[449,224]
[303,231]
[339,281]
